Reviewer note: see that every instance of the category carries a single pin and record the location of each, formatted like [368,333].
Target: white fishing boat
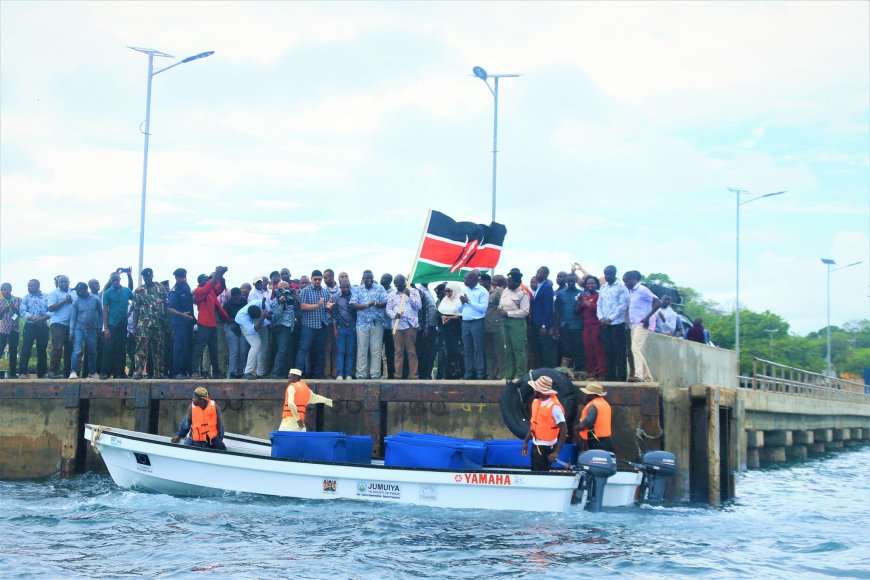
[152,463]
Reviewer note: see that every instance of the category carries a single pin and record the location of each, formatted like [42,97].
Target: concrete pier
[715,424]
[773,454]
[796,452]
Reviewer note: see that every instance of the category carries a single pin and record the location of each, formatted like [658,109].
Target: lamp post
[480,73]
[829,262]
[151,74]
[737,193]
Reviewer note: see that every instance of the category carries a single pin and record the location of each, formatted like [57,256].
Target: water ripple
[806,520]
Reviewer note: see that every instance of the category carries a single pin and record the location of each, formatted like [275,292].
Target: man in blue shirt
[116,302]
[474,301]
[568,326]
[370,301]
[542,320]
[60,308]
[181,321]
[316,304]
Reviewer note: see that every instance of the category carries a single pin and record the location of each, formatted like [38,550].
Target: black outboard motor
[596,466]
[657,467]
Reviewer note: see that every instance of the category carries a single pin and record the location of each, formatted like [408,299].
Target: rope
[641,434]
[96,432]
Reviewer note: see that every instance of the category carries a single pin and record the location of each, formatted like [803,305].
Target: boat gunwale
[495,470]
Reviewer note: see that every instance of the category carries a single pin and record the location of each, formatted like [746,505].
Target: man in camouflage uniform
[149,316]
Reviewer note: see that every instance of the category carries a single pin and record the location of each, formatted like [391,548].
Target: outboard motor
[657,467]
[596,466]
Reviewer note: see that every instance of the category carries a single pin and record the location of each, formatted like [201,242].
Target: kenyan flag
[449,249]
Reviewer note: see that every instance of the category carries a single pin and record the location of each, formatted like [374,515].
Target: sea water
[807,519]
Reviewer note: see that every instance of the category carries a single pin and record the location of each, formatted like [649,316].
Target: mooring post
[70,438]
[372,420]
[143,408]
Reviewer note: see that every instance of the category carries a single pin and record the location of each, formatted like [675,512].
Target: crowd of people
[489,327]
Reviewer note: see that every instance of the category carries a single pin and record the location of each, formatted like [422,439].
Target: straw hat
[543,385]
[201,392]
[594,388]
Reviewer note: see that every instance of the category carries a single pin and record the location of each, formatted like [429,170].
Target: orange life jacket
[602,421]
[544,427]
[204,422]
[300,399]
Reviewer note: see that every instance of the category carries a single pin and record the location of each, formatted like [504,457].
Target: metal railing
[778,378]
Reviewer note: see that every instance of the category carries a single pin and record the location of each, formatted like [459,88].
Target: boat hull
[152,463]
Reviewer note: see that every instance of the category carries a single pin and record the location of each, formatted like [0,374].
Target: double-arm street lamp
[151,74]
[737,193]
[829,262]
[482,75]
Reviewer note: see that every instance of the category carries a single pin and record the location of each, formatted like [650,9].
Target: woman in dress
[587,305]
[450,360]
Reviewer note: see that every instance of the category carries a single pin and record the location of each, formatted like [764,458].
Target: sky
[319,134]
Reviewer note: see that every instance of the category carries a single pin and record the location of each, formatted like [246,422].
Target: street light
[480,73]
[151,74]
[829,262]
[737,193]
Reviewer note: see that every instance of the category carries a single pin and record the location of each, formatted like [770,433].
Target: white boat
[152,463]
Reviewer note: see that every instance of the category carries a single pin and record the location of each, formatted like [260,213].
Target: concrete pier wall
[41,422]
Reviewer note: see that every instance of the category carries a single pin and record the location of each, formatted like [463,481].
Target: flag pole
[413,267]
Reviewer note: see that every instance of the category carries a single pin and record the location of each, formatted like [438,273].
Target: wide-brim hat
[543,385]
[594,388]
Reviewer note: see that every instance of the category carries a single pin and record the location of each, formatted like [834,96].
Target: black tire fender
[516,401]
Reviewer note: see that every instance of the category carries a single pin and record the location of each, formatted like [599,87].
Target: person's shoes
[162,377]
[250,376]
[237,376]
[73,375]
[103,376]
[196,376]
[52,376]
[137,376]
[348,378]
[261,377]
[633,380]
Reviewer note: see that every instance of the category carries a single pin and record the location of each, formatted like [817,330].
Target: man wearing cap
[84,322]
[297,397]
[514,308]
[547,426]
[261,297]
[595,420]
[204,423]
[149,320]
[181,321]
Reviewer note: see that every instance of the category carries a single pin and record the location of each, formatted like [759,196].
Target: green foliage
[767,335]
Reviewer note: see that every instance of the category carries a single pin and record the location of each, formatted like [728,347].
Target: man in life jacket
[594,426]
[297,397]
[547,429]
[204,423]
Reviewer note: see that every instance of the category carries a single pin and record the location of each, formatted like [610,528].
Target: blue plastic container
[358,449]
[508,453]
[324,446]
[432,452]
[473,451]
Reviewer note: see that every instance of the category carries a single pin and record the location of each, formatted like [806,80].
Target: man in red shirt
[208,308]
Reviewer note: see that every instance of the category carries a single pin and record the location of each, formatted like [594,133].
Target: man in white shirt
[642,305]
